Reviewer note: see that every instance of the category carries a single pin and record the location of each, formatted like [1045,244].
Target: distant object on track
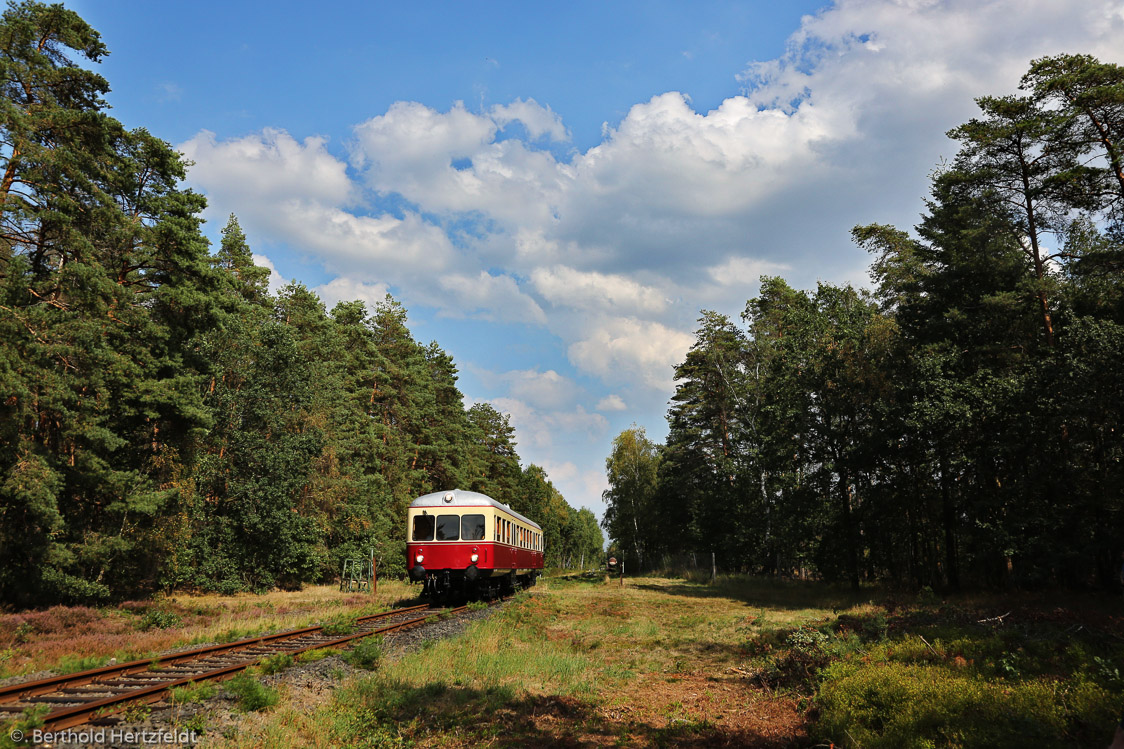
[461,543]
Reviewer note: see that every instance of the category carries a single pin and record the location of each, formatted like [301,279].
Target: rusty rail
[98,678]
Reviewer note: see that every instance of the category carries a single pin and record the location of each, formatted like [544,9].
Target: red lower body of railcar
[448,567]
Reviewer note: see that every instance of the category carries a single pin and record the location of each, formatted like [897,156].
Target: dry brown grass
[70,638]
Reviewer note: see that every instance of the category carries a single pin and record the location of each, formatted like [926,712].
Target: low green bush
[902,706]
[159,619]
[366,654]
[275,663]
[27,722]
[196,723]
[251,694]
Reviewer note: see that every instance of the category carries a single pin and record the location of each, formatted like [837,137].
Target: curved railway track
[99,693]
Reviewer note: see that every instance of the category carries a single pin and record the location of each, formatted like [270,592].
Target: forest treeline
[958,424]
[166,421]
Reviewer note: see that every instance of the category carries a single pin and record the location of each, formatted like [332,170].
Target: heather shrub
[901,706]
[60,618]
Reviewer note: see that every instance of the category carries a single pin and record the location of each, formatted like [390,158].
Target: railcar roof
[463,498]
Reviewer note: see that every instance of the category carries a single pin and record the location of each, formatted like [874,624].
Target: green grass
[340,626]
[666,662]
[74,663]
[196,692]
[309,656]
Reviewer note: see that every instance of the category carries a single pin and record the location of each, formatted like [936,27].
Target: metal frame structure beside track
[69,687]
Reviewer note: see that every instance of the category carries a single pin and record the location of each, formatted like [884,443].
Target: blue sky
[555,191]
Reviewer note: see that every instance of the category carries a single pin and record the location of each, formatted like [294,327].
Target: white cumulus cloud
[539,120]
[612,402]
[344,289]
[615,249]
[541,429]
[487,296]
[590,290]
[276,280]
[545,390]
[271,165]
[627,349]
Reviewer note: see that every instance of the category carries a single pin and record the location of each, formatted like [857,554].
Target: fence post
[713,568]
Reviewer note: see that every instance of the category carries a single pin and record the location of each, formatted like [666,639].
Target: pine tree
[106,282]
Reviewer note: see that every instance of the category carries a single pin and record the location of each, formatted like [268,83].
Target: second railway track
[97,694]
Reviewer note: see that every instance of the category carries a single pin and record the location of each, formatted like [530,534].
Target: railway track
[97,694]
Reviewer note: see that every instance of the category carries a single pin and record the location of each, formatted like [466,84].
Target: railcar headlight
[419,559]
[473,558]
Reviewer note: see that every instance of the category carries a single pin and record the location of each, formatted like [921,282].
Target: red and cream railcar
[466,542]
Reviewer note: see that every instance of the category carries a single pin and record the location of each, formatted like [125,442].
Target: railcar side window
[423,528]
[448,527]
[472,528]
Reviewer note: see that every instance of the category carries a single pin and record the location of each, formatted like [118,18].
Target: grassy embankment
[75,638]
[739,663]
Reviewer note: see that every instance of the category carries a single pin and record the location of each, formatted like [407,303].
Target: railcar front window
[472,527]
[423,528]
[448,527]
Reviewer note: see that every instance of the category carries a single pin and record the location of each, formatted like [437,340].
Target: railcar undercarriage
[469,585]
